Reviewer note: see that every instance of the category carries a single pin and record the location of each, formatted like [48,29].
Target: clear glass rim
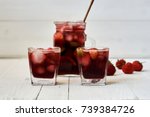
[69,22]
[98,48]
[53,49]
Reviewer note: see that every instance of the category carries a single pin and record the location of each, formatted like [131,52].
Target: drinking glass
[43,65]
[92,65]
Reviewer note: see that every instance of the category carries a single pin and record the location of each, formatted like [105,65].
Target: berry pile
[126,67]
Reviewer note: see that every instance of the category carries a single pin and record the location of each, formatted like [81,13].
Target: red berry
[58,39]
[58,36]
[81,39]
[137,66]
[120,63]
[49,48]
[128,68]
[51,68]
[85,60]
[93,53]
[110,69]
[69,37]
[40,70]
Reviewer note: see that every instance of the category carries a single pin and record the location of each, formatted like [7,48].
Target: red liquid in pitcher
[69,36]
[43,62]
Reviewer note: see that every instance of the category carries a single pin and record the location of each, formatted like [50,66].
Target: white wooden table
[15,85]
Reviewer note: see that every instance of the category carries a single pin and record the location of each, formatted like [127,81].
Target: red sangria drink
[44,65]
[69,36]
[93,65]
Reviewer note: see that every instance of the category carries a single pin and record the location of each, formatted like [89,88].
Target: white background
[121,25]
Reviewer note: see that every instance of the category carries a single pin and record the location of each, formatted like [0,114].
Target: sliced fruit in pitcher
[79,52]
[58,36]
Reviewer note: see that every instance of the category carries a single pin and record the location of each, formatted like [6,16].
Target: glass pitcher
[69,36]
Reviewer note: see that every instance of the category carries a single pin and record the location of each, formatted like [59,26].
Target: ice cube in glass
[43,65]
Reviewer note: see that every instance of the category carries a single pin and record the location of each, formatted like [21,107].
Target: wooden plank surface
[113,90]
[15,84]
[120,86]
[57,92]
[139,82]
[5,65]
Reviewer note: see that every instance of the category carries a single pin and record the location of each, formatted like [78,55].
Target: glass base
[69,75]
[93,82]
[43,81]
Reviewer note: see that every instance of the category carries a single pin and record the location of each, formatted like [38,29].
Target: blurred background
[121,25]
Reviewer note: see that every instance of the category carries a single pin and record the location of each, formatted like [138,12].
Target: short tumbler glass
[93,65]
[44,65]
